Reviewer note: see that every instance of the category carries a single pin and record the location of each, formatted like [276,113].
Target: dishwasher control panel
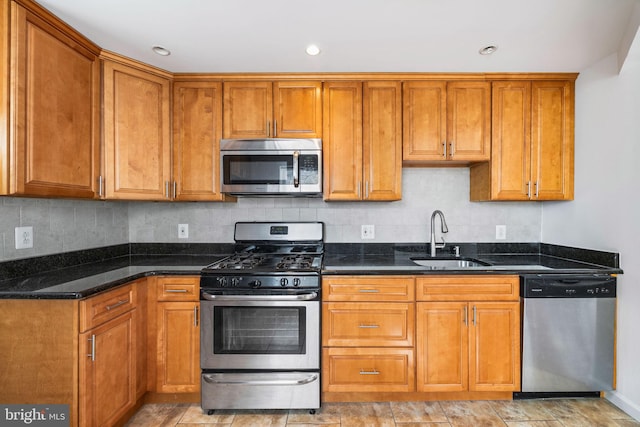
[567,286]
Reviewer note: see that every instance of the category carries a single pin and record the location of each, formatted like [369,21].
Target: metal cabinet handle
[368,291]
[100,185]
[465,316]
[366,190]
[373,372]
[451,149]
[444,149]
[475,322]
[176,291]
[92,355]
[528,189]
[195,316]
[118,304]
[536,184]
[362,326]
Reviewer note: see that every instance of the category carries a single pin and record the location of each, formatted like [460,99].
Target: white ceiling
[355,35]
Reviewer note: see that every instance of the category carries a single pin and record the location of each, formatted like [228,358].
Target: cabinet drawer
[465,288]
[349,324]
[178,288]
[367,370]
[96,310]
[367,288]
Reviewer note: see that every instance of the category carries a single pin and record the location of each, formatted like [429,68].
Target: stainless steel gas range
[260,308]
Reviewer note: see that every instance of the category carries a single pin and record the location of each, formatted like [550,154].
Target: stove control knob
[222,282]
[296,282]
[284,281]
[234,282]
[255,284]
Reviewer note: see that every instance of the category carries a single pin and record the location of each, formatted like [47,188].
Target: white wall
[408,220]
[606,212]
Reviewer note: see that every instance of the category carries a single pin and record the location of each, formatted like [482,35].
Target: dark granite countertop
[83,273]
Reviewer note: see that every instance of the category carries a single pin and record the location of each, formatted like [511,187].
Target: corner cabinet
[362,142]
[49,106]
[137,140]
[265,109]
[446,121]
[197,129]
[468,334]
[532,155]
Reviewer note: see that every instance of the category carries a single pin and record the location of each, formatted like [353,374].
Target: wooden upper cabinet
[137,145]
[197,129]
[52,137]
[532,143]
[362,140]
[446,121]
[264,109]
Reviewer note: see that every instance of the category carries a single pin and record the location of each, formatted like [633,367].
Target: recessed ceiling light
[312,50]
[488,50]
[162,51]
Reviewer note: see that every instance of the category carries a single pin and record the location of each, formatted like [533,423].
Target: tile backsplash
[69,225]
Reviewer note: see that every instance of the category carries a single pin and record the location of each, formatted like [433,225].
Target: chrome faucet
[432,242]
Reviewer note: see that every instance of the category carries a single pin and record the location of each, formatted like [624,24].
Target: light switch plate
[501,232]
[24,237]
[367,232]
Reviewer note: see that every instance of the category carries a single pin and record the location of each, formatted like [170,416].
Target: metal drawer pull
[118,304]
[301,381]
[176,291]
[465,316]
[92,355]
[374,372]
[368,326]
[368,291]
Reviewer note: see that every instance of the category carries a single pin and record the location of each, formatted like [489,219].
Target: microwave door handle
[296,178]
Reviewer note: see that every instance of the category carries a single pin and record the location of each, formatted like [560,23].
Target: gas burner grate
[295,262]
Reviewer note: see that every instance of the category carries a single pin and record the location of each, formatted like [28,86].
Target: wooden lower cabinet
[177,343]
[468,346]
[367,369]
[108,371]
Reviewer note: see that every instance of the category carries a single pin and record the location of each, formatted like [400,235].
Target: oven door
[266,332]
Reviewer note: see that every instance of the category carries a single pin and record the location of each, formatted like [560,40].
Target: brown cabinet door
[469,121]
[342,140]
[552,140]
[511,140]
[55,125]
[197,129]
[248,110]
[382,141]
[108,371]
[442,346]
[178,364]
[297,109]
[424,120]
[137,146]
[494,346]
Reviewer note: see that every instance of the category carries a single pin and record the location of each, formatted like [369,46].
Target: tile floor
[517,413]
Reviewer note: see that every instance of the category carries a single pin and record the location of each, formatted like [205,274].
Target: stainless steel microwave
[271,167]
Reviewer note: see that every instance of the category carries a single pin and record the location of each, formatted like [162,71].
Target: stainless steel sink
[448,263]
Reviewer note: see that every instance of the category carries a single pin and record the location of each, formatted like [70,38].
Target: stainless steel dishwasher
[568,330]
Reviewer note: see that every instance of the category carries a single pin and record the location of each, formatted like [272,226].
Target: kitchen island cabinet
[362,143]
[266,109]
[446,121]
[532,154]
[49,106]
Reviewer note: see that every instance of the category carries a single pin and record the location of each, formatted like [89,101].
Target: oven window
[259,330]
[258,169]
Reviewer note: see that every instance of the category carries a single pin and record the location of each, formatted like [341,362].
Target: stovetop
[261,263]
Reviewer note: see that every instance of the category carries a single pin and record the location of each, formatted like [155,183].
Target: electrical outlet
[501,232]
[183,231]
[367,232]
[24,237]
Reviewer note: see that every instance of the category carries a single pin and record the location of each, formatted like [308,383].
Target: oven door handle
[302,381]
[300,297]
